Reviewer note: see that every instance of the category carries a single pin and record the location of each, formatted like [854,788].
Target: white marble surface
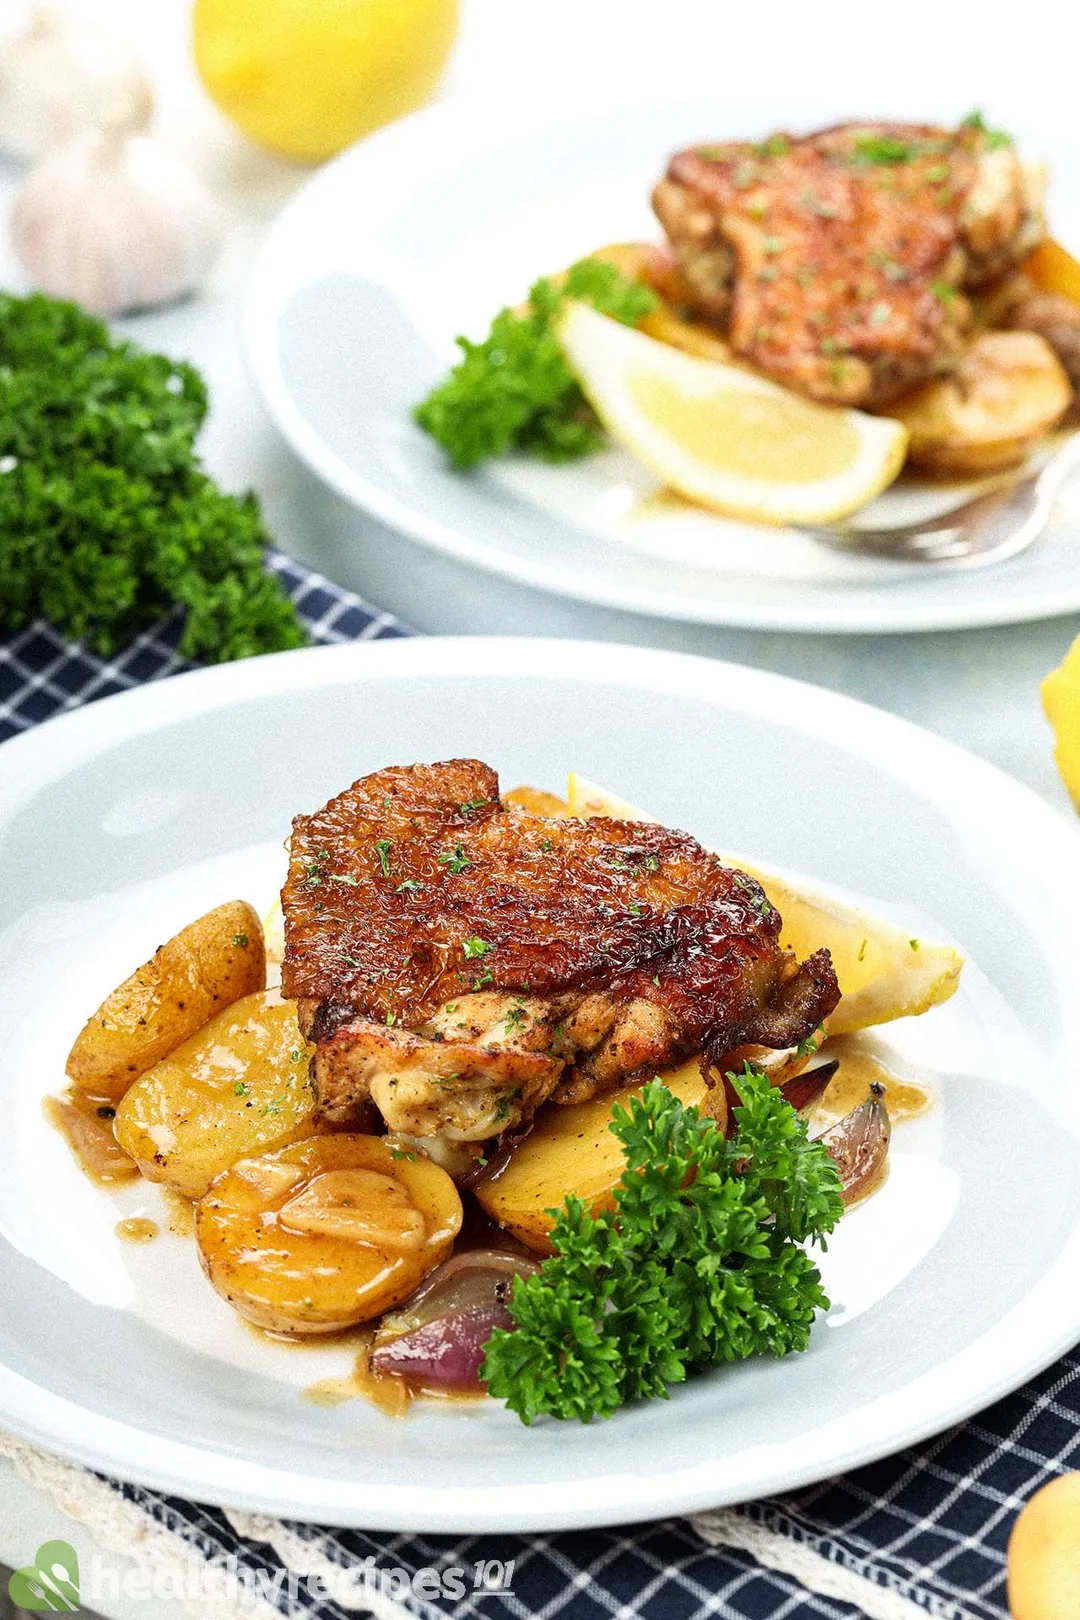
[977,687]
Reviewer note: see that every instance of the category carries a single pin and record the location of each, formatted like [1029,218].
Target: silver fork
[988,528]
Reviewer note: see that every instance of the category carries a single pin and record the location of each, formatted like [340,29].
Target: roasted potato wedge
[205,967]
[655,266]
[239,1086]
[326,1233]
[571,1150]
[1008,390]
[882,973]
[651,263]
[537,802]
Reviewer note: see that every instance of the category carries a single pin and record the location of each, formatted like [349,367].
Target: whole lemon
[308,77]
[1061,700]
[1044,1554]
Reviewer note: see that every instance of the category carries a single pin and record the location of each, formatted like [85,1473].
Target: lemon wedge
[723,436]
[882,972]
[1061,701]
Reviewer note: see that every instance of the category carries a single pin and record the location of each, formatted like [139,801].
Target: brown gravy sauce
[85,1123]
[179,1213]
[850,1085]
[392,1395]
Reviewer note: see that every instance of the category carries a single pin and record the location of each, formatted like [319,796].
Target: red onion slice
[437,1338]
[800,1091]
[445,1353]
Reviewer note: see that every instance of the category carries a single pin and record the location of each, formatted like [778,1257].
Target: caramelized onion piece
[445,1353]
[859,1145]
[807,1087]
[800,1091]
[436,1340]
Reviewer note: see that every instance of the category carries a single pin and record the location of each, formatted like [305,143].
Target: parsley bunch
[515,390]
[699,1262]
[107,519]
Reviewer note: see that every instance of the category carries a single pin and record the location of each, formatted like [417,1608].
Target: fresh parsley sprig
[992,138]
[515,390]
[699,1262]
[108,520]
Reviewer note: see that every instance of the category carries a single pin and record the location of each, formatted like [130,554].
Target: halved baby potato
[1008,390]
[325,1233]
[572,1150]
[883,974]
[205,967]
[237,1087]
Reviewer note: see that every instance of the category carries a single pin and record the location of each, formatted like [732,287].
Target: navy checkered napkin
[923,1532]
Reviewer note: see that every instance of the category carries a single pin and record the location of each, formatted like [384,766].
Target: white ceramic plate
[121,822]
[425,231]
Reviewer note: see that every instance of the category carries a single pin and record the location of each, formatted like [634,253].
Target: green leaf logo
[50,1583]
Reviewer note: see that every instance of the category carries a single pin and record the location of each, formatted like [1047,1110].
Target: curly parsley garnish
[699,1262]
[108,521]
[515,390]
[993,138]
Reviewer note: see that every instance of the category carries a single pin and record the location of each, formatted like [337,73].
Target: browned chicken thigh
[837,262]
[458,961]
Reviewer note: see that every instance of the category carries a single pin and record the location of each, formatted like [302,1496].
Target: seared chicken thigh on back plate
[837,262]
[459,961]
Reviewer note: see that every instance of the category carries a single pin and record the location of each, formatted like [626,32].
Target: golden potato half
[205,967]
[239,1086]
[1008,390]
[326,1233]
[571,1150]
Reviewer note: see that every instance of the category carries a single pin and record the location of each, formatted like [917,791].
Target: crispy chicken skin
[458,961]
[837,262]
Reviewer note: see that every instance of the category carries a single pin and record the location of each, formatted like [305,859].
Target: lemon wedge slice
[1061,701]
[723,436]
[883,973]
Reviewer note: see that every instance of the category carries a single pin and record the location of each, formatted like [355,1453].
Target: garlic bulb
[116,221]
[59,77]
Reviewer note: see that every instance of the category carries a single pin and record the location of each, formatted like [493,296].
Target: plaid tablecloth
[923,1532]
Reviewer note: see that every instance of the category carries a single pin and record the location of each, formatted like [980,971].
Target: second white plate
[424,231]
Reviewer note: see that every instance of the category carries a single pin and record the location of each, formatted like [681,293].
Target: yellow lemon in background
[308,77]
[1044,1554]
[1061,700]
